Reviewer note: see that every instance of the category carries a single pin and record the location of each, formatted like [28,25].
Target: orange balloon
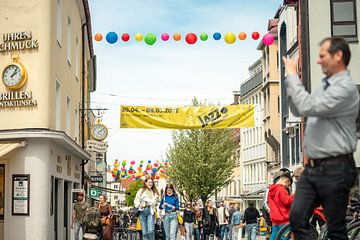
[242,36]
[98,37]
[177,37]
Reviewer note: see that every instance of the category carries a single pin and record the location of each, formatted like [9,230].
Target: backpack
[92,218]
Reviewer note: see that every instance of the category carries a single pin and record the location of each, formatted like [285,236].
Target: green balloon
[150,39]
[203,36]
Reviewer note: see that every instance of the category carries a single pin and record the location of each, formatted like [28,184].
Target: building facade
[252,144]
[45,47]
[271,95]
[290,126]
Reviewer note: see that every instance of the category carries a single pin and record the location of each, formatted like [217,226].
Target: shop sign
[95,193]
[18,41]
[21,194]
[17,99]
[96,146]
[97,178]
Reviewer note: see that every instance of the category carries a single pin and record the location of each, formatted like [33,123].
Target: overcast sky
[169,73]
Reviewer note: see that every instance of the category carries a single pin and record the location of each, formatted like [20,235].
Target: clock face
[99,132]
[13,76]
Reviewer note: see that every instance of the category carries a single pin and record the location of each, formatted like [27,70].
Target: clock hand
[15,72]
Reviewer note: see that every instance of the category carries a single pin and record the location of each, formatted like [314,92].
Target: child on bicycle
[280,201]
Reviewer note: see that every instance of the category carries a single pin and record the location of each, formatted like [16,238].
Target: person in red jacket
[280,201]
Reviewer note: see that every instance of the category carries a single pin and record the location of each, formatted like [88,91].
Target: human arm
[162,203]
[137,200]
[73,218]
[177,204]
[110,211]
[285,198]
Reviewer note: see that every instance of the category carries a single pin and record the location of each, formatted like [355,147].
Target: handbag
[180,219]
[105,221]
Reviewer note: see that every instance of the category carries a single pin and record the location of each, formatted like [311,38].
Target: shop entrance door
[2,200]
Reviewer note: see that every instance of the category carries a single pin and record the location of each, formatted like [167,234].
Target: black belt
[331,160]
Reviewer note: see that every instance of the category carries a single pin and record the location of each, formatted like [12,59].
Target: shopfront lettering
[18,41]
[17,99]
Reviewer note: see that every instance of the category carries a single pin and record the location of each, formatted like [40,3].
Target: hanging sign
[199,117]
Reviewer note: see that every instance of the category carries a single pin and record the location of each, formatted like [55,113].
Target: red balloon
[125,37]
[191,38]
[255,35]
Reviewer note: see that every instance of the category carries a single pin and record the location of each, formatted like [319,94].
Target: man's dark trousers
[327,182]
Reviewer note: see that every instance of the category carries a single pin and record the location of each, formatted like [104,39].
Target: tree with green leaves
[131,192]
[202,161]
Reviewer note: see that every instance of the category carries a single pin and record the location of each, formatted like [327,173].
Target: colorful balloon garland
[190,38]
[156,170]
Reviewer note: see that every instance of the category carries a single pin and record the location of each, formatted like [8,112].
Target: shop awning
[6,147]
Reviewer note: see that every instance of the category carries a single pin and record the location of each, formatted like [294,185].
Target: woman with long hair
[198,224]
[189,219]
[146,200]
[106,214]
[170,202]
[210,220]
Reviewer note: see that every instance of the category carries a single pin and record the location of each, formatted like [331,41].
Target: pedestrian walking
[106,215]
[232,210]
[189,219]
[223,215]
[170,202]
[329,140]
[198,224]
[146,201]
[78,214]
[236,223]
[251,216]
[210,220]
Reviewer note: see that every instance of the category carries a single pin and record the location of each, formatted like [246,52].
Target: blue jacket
[171,200]
[236,218]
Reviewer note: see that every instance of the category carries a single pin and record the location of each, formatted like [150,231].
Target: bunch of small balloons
[190,38]
[156,170]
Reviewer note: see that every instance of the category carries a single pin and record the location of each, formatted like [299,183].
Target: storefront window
[2,190]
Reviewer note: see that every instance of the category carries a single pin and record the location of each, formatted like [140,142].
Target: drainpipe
[304,57]
[83,162]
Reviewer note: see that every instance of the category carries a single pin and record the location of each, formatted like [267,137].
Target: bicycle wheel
[353,231]
[284,233]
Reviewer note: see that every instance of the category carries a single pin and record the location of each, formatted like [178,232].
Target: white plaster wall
[36,160]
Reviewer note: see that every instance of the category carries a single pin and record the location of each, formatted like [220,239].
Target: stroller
[92,224]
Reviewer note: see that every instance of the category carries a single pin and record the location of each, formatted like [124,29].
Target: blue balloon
[217,36]
[111,37]
[149,161]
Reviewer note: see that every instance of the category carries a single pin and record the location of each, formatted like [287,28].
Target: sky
[169,73]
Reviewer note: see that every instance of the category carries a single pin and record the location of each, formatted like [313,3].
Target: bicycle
[353,223]
[317,219]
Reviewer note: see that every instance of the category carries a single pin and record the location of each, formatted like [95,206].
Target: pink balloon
[268,39]
[165,36]
[132,162]
[156,164]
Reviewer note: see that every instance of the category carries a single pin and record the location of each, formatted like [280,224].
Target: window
[68,115]
[116,197]
[116,186]
[59,21]
[69,37]
[76,125]
[77,59]
[343,19]
[2,191]
[58,105]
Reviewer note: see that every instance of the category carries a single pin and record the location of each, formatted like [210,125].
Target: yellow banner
[202,117]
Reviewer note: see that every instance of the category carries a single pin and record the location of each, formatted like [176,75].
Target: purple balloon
[268,39]
[165,36]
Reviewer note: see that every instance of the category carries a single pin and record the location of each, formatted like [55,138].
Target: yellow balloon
[138,37]
[230,38]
